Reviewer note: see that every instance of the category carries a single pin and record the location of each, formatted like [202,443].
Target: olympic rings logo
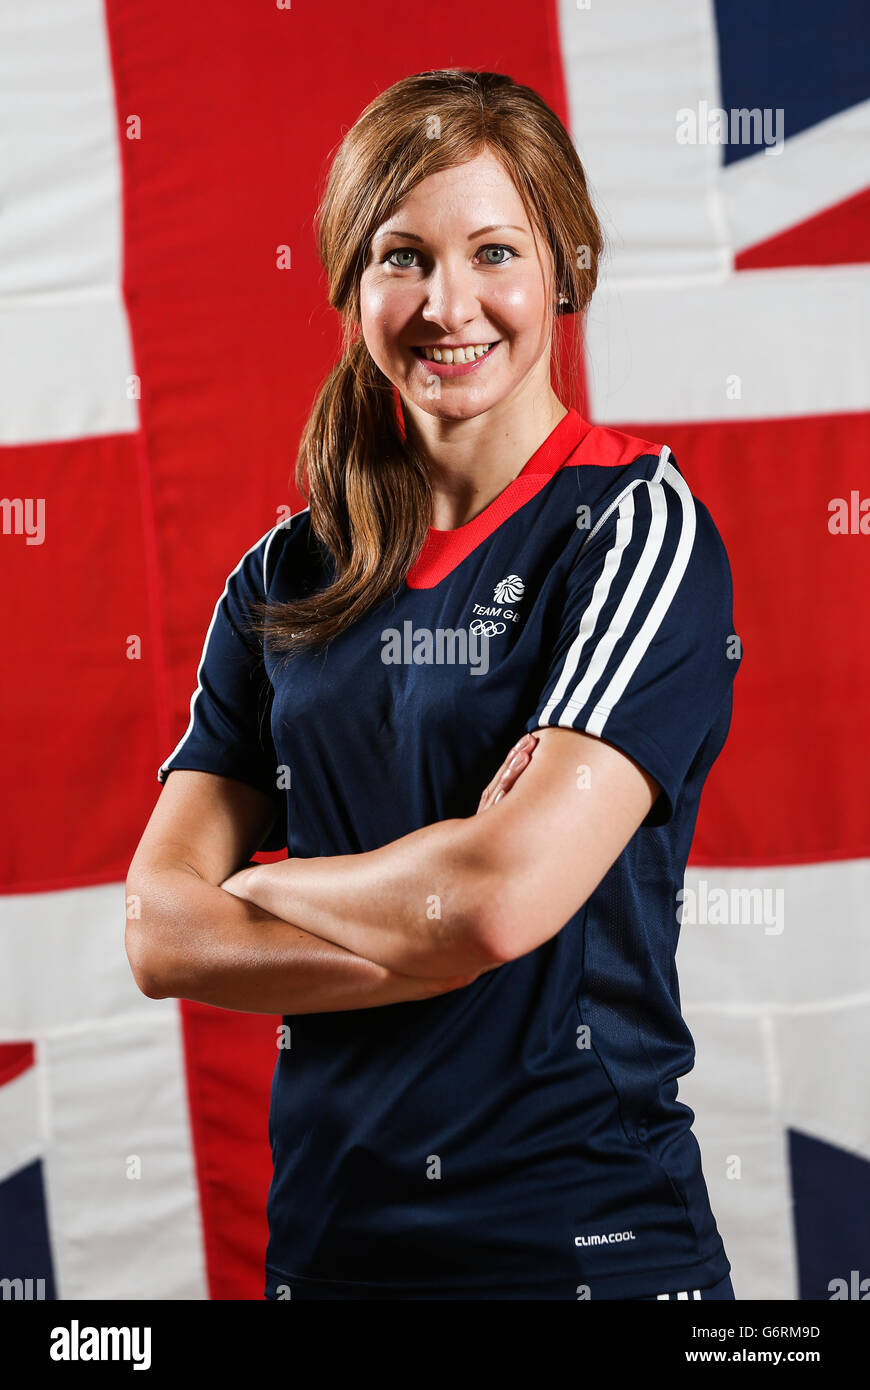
[487,629]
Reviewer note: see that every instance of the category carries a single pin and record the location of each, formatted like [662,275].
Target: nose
[452,298]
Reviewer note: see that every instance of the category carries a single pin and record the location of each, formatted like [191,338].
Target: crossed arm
[418,917]
[466,895]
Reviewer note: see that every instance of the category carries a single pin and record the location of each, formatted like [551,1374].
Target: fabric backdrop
[159,356]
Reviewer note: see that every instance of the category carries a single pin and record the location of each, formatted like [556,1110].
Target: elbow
[142,957]
[483,898]
[150,988]
[515,897]
[493,928]
[144,968]
[513,917]
[495,934]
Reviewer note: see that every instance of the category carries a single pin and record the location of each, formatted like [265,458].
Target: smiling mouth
[455,356]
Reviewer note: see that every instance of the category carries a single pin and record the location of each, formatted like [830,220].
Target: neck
[472,461]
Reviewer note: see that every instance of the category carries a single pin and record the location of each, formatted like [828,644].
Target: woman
[476,1088]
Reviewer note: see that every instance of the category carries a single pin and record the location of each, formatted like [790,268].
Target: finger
[515,763]
[518,764]
[512,766]
[507,778]
[490,790]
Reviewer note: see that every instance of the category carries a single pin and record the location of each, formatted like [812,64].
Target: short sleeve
[644,653]
[229,732]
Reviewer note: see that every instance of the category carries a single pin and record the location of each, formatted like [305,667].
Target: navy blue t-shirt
[520,1137]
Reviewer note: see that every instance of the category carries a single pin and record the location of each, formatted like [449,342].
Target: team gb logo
[509,590]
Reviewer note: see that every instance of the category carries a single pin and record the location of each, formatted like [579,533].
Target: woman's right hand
[514,764]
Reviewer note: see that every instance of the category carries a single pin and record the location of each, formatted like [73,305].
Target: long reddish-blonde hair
[366,484]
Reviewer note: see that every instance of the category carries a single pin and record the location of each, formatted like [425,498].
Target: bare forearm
[196,941]
[418,904]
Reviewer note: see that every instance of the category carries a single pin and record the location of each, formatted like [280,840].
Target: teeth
[450,355]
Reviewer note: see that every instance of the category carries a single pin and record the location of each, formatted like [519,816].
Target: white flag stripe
[65,953]
[771,962]
[702,350]
[816,169]
[675,216]
[735,1093]
[659,200]
[711,210]
[788,940]
[22,1132]
[61,230]
[109,1083]
[50,389]
[118,1096]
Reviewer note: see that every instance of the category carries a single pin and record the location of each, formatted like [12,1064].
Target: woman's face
[459,263]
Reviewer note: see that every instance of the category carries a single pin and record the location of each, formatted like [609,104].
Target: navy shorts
[721,1290]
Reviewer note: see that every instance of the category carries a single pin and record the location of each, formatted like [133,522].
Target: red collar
[443,550]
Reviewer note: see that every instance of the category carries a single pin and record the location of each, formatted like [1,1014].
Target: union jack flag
[165,328]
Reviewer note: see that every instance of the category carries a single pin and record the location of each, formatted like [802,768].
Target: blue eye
[411,251]
[499,248]
[400,251]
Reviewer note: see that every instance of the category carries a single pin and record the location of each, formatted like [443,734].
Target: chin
[444,409]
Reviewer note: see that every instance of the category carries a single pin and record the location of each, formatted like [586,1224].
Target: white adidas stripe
[621,618]
[666,475]
[597,602]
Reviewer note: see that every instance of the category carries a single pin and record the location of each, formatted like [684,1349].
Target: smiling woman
[496,313]
[482,237]
[494,299]
[476,967]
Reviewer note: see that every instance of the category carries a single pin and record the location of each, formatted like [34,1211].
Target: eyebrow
[495,227]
